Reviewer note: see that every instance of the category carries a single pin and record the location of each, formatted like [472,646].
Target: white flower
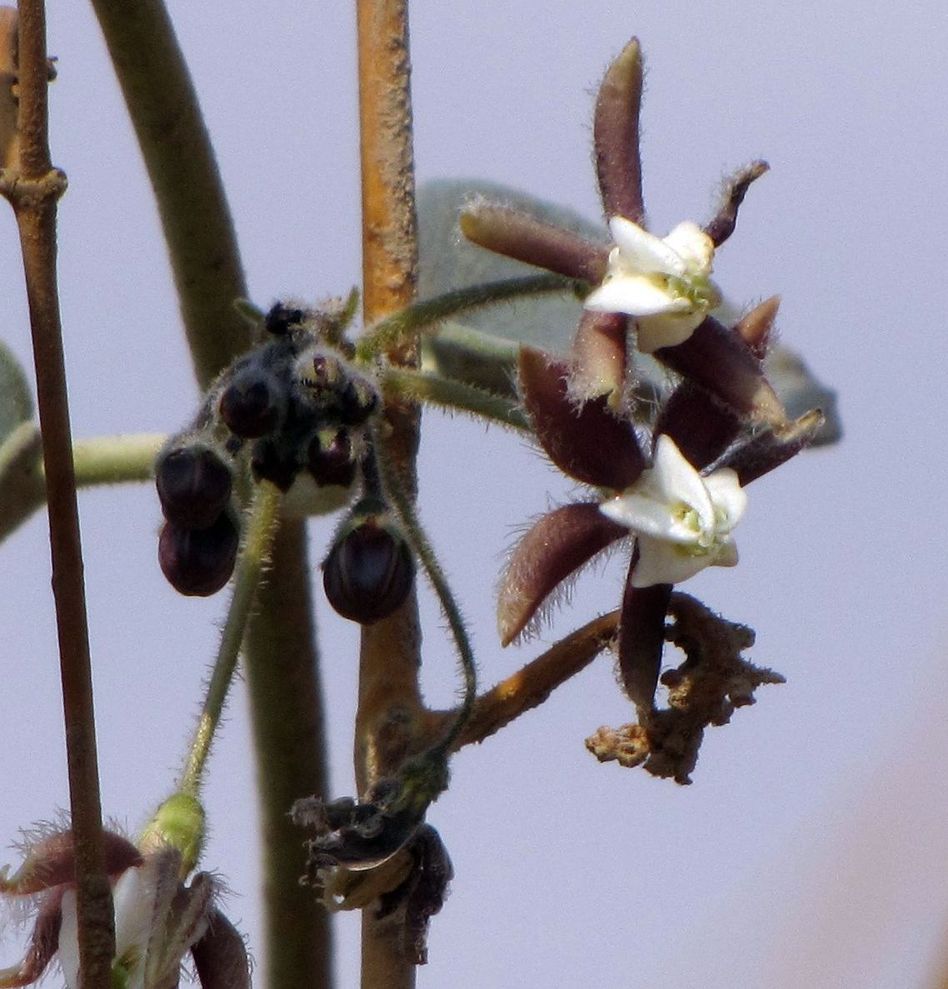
[157,920]
[663,282]
[683,520]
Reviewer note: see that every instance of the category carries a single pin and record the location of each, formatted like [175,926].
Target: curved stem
[422,547]
[392,330]
[452,394]
[194,213]
[263,521]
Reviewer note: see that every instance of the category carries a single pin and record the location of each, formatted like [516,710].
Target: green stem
[102,460]
[422,547]
[403,324]
[452,394]
[195,217]
[264,514]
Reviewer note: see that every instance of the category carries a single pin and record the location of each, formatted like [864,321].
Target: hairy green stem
[102,460]
[451,394]
[392,330]
[255,555]
[282,675]
[422,547]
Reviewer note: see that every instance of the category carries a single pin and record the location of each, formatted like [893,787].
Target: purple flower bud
[194,484]
[369,571]
[275,463]
[357,401]
[251,404]
[330,458]
[199,562]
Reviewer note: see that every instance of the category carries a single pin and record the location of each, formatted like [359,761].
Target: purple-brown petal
[701,427]
[763,453]
[44,942]
[722,225]
[220,956]
[518,235]
[558,544]
[616,136]
[599,355]
[756,328]
[642,639]
[586,441]
[718,360]
[52,862]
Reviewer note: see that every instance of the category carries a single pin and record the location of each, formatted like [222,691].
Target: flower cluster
[676,494]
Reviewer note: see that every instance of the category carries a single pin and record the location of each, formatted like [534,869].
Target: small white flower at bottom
[663,282]
[683,521]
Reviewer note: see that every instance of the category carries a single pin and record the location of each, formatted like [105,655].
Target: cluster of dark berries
[295,405]
[300,402]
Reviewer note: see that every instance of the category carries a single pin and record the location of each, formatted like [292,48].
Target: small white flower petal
[675,481]
[666,331]
[693,246]
[648,517]
[661,562]
[69,940]
[728,498]
[634,295]
[726,556]
[643,252]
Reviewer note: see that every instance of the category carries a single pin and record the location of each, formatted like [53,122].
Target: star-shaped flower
[663,282]
[683,520]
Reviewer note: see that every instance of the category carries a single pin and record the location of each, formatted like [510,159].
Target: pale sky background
[811,848]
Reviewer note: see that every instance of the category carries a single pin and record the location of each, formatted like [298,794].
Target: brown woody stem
[529,687]
[389,696]
[33,188]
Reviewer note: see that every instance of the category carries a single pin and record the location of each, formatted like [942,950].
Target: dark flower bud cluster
[292,405]
[370,568]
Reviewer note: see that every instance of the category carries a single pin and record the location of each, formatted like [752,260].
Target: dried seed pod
[199,562]
[194,483]
[369,570]
[330,458]
[252,403]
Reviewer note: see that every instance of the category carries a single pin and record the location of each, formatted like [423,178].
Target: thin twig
[33,190]
[530,686]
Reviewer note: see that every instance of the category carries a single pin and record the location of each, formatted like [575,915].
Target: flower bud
[357,401]
[194,484]
[282,318]
[251,404]
[330,459]
[198,562]
[369,570]
[275,463]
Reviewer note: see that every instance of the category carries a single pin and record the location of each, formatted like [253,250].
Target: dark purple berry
[330,459]
[281,319]
[194,486]
[250,405]
[198,562]
[368,573]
